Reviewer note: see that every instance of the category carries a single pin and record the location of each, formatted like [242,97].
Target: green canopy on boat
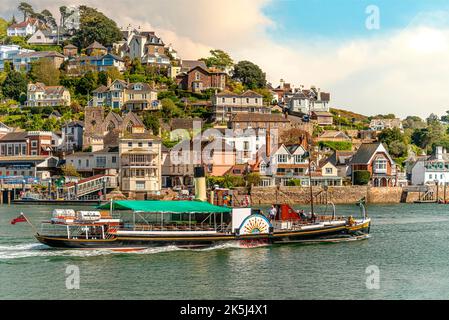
[151,206]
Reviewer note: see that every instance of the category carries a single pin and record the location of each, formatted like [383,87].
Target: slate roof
[365,153]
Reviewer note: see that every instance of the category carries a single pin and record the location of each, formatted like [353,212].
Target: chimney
[268,144]
[282,82]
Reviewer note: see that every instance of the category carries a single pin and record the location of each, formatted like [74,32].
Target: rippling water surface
[409,244]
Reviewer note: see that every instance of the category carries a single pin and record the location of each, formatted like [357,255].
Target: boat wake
[336,240]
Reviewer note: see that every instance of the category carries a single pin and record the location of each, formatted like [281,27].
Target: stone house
[199,79]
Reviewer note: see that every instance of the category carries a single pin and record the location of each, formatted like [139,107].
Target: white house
[23,29]
[431,170]
[307,101]
[105,161]
[9,52]
[48,37]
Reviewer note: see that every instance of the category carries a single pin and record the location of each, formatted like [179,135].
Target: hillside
[349,115]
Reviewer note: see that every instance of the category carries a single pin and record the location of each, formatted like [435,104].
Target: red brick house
[199,79]
[374,157]
[31,143]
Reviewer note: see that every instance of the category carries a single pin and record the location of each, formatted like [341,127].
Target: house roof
[70,46]
[250,117]
[187,65]
[40,54]
[96,45]
[340,157]
[332,134]
[366,151]
[14,136]
[23,24]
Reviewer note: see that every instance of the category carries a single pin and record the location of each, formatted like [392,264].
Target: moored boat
[128,225]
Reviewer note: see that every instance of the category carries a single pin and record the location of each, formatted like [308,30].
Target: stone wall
[337,195]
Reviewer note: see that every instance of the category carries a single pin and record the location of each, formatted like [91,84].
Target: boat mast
[310,180]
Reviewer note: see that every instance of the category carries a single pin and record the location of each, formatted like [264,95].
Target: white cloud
[404,72]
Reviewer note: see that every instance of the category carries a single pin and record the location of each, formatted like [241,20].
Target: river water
[409,244]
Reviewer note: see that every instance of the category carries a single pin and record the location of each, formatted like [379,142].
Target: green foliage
[95,26]
[250,75]
[398,149]
[3,28]
[336,145]
[44,71]
[253,179]
[14,86]
[294,183]
[227,181]
[170,110]
[218,59]
[151,122]
[361,177]
[413,122]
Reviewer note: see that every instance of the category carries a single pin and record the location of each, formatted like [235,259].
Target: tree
[413,122]
[387,136]
[47,17]
[14,86]
[398,149]
[432,119]
[63,15]
[218,59]
[3,28]
[95,26]
[169,109]
[44,71]
[151,122]
[250,75]
[445,118]
[26,9]
[252,179]
[86,84]
[69,170]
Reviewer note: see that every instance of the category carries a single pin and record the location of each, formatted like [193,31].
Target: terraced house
[127,96]
[226,104]
[40,95]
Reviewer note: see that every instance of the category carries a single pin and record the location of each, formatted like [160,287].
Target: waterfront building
[34,143]
[128,96]
[25,167]
[105,161]
[177,173]
[432,169]
[374,158]
[40,95]
[140,163]
[226,104]
[72,135]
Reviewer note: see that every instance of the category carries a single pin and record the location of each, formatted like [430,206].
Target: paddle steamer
[190,224]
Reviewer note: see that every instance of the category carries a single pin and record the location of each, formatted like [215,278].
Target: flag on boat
[20,218]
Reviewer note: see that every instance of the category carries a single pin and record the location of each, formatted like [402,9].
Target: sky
[377,56]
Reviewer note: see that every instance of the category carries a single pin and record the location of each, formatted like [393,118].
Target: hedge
[362,177]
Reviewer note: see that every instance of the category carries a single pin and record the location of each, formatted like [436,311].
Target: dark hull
[198,242]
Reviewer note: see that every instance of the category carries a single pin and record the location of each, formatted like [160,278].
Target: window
[140,144]
[140,185]
[298,159]
[223,100]
[329,170]
[114,159]
[130,144]
[380,166]
[282,158]
[150,144]
[197,76]
[34,144]
[101,162]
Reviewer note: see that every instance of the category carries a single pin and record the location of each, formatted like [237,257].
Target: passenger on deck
[273,212]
